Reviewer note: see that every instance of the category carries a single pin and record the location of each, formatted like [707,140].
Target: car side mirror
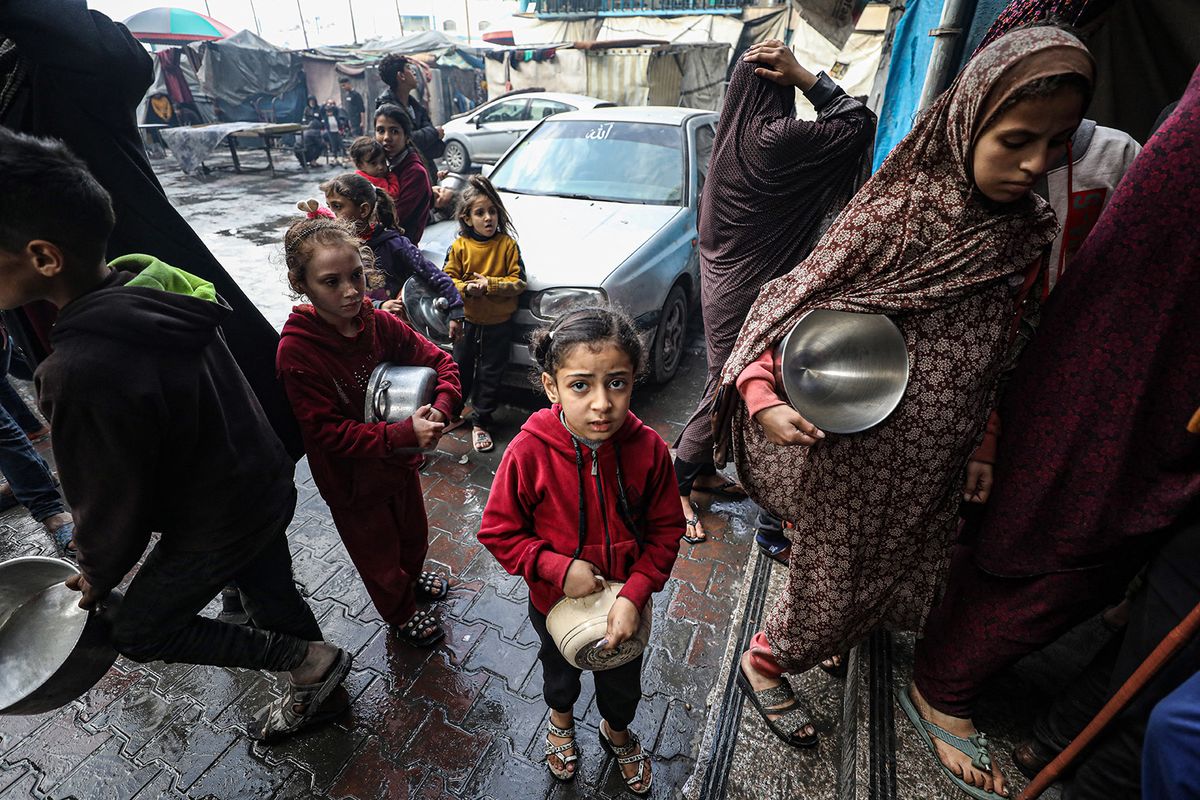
[478,124]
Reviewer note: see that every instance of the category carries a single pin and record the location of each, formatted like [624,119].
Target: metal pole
[303,29]
[399,18]
[353,29]
[207,11]
[941,60]
[257,27]
[467,11]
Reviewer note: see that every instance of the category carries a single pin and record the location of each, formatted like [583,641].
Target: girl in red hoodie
[326,355]
[623,523]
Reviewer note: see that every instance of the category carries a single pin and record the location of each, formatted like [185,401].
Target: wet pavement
[464,719]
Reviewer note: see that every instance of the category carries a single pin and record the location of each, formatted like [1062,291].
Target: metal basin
[395,392]
[428,312]
[51,650]
[843,371]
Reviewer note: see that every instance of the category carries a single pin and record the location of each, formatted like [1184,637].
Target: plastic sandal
[692,522]
[482,441]
[64,539]
[975,746]
[431,586]
[624,755]
[279,719]
[410,632]
[562,773]
[790,716]
[837,670]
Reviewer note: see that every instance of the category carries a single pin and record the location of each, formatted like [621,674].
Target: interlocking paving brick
[58,747]
[498,711]
[105,775]
[240,773]
[500,658]
[500,612]
[190,745]
[464,719]
[450,688]
[452,751]
[24,786]
[373,774]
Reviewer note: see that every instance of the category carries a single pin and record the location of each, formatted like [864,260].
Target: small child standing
[485,264]
[369,210]
[327,352]
[371,162]
[623,524]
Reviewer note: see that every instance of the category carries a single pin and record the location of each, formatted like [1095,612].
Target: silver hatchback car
[604,203]
[481,135]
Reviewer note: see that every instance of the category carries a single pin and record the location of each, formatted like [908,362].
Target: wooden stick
[1168,647]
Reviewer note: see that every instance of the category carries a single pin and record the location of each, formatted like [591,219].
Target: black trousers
[482,356]
[618,691]
[159,618]
[1111,767]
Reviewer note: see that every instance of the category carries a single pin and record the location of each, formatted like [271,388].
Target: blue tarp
[911,49]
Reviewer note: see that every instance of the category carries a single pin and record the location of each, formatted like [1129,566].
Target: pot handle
[381,394]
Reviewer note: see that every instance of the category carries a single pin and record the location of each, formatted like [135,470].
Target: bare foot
[957,761]
[696,529]
[316,664]
[639,768]
[833,662]
[563,721]
[758,682]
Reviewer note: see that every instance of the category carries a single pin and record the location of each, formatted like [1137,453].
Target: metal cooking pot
[51,650]
[454,181]
[578,624]
[843,371]
[427,311]
[395,392]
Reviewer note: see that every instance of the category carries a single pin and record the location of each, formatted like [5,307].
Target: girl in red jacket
[326,355]
[623,523]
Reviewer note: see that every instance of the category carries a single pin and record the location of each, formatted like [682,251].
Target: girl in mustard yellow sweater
[485,264]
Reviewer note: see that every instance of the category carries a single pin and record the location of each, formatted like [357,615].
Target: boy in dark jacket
[156,429]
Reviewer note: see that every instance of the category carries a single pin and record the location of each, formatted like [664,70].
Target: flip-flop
[837,670]
[427,582]
[482,441]
[729,490]
[975,746]
[64,539]
[692,522]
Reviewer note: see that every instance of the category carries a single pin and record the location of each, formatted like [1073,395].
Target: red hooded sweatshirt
[325,375]
[555,499]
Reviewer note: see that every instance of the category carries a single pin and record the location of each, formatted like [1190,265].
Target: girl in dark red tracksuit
[326,355]
[622,524]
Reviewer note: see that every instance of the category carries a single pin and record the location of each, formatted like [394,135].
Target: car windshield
[627,162]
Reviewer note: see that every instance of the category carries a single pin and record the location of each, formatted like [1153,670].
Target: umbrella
[175,26]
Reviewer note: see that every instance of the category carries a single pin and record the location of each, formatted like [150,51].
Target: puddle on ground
[261,233]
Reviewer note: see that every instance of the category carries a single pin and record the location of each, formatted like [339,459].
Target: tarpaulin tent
[249,79]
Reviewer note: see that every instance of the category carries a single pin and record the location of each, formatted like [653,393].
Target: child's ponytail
[385,209]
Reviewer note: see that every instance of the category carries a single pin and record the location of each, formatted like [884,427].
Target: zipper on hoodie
[608,548]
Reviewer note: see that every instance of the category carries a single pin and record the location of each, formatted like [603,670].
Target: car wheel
[669,338]
[456,157]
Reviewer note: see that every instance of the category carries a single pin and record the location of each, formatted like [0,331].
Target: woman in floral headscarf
[940,240]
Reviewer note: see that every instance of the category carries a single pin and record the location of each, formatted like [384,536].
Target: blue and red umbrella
[175,26]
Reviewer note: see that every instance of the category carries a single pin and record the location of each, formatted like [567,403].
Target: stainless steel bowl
[843,371]
[51,650]
[428,312]
[395,392]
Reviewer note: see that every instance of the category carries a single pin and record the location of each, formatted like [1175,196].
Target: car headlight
[552,302]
